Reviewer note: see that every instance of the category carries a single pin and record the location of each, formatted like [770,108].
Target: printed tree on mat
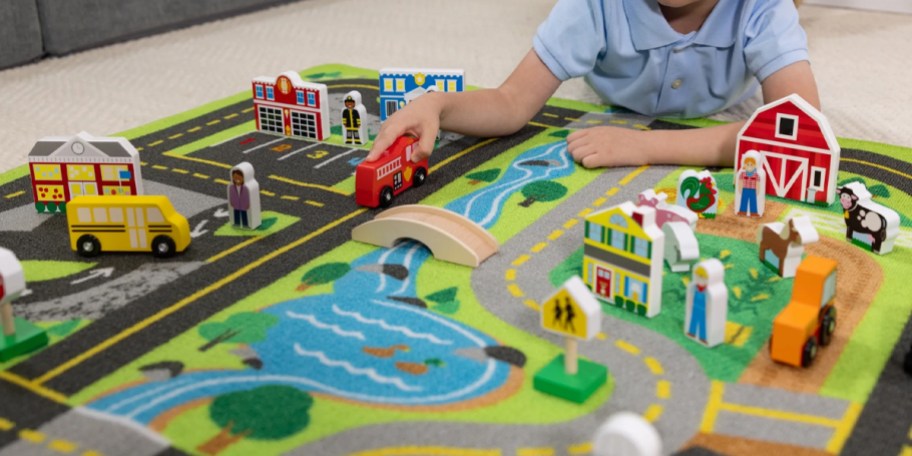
[542,191]
[488,175]
[323,274]
[445,299]
[266,413]
[247,327]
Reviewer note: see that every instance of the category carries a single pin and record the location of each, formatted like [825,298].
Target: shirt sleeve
[570,40]
[774,38]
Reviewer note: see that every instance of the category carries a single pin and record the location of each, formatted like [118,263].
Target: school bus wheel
[163,247]
[420,177]
[828,327]
[386,197]
[809,352]
[88,245]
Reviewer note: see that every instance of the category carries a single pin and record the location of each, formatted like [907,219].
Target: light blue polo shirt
[632,57]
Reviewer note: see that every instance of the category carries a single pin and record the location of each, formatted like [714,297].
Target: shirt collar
[650,30]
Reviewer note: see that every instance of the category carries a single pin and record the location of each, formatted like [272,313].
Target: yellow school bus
[126,223]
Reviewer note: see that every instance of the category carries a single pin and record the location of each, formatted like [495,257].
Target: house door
[786,175]
[603,282]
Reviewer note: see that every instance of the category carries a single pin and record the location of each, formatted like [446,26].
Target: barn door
[786,175]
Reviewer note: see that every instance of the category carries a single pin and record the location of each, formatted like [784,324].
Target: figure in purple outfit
[244,197]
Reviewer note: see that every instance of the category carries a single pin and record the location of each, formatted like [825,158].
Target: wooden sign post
[574,313]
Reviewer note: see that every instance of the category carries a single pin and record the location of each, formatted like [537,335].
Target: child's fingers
[383,140]
[425,146]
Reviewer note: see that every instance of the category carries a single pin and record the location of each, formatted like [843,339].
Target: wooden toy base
[28,338]
[553,380]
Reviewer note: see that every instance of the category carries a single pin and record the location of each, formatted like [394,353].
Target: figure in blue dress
[707,303]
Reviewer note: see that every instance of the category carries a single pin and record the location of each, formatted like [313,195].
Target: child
[684,58]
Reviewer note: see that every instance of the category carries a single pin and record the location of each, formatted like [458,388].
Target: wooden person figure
[244,197]
[750,185]
[353,117]
[707,303]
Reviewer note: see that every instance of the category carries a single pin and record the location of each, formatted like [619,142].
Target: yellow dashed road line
[654,365]
[175,136]
[30,435]
[314,203]
[535,451]
[627,347]
[194,129]
[155,143]
[653,413]
[555,235]
[291,198]
[201,176]
[580,449]
[230,116]
[213,122]
[15,194]
[180,171]
[663,389]
[510,275]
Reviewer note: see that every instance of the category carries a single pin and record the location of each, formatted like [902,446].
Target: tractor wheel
[809,352]
[827,327]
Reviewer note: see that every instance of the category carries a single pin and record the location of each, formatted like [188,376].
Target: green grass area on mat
[43,270]
[275,220]
[755,296]
[872,342]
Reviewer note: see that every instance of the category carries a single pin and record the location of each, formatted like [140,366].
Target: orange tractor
[808,321]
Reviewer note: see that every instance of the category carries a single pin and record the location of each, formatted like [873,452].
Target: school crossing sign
[572,311]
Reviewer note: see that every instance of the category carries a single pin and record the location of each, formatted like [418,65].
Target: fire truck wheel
[420,177]
[386,197]
[828,327]
[162,247]
[809,352]
[88,245]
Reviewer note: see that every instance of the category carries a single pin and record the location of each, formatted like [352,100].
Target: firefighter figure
[353,116]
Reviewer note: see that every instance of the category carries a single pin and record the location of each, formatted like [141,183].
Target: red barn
[800,150]
[289,106]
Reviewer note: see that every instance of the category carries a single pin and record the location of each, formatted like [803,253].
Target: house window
[439,83]
[400,85]
[594,232]
[618,240]
[451,86]
[818,178]
[311,99]
[786,126]
[259,91]
[387,85]
[300,97]
[641,247]
[270,93]
[635,289]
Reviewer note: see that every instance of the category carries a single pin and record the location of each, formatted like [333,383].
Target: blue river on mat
[352,343]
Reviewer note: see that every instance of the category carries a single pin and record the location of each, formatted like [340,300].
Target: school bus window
[100,215]
[84,215]
[116,215]
[155,215]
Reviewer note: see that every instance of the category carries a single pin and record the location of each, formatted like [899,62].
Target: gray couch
[33,29]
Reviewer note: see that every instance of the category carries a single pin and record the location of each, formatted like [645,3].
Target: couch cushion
[73,25]
[20,32]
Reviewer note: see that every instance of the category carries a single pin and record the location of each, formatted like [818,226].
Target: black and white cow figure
[866,221]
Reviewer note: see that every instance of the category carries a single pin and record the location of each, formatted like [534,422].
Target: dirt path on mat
[859,278]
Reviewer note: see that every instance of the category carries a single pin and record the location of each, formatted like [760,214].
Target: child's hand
[606,147]
[421,118]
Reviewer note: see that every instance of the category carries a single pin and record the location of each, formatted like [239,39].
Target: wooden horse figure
[781,245]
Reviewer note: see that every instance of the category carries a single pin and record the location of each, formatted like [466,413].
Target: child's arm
[484,113]
[713,146]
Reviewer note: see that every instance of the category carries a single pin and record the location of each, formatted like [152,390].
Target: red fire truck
[377,182]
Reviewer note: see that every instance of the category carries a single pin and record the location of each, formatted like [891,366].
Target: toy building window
[618,240]
[311,99]
[300,97]
[259,91]
[451,86]
[817,178]
[641,247]
[400,85]
[391,107]
[786,126]
[270,93]
[387,85]
[594,232]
